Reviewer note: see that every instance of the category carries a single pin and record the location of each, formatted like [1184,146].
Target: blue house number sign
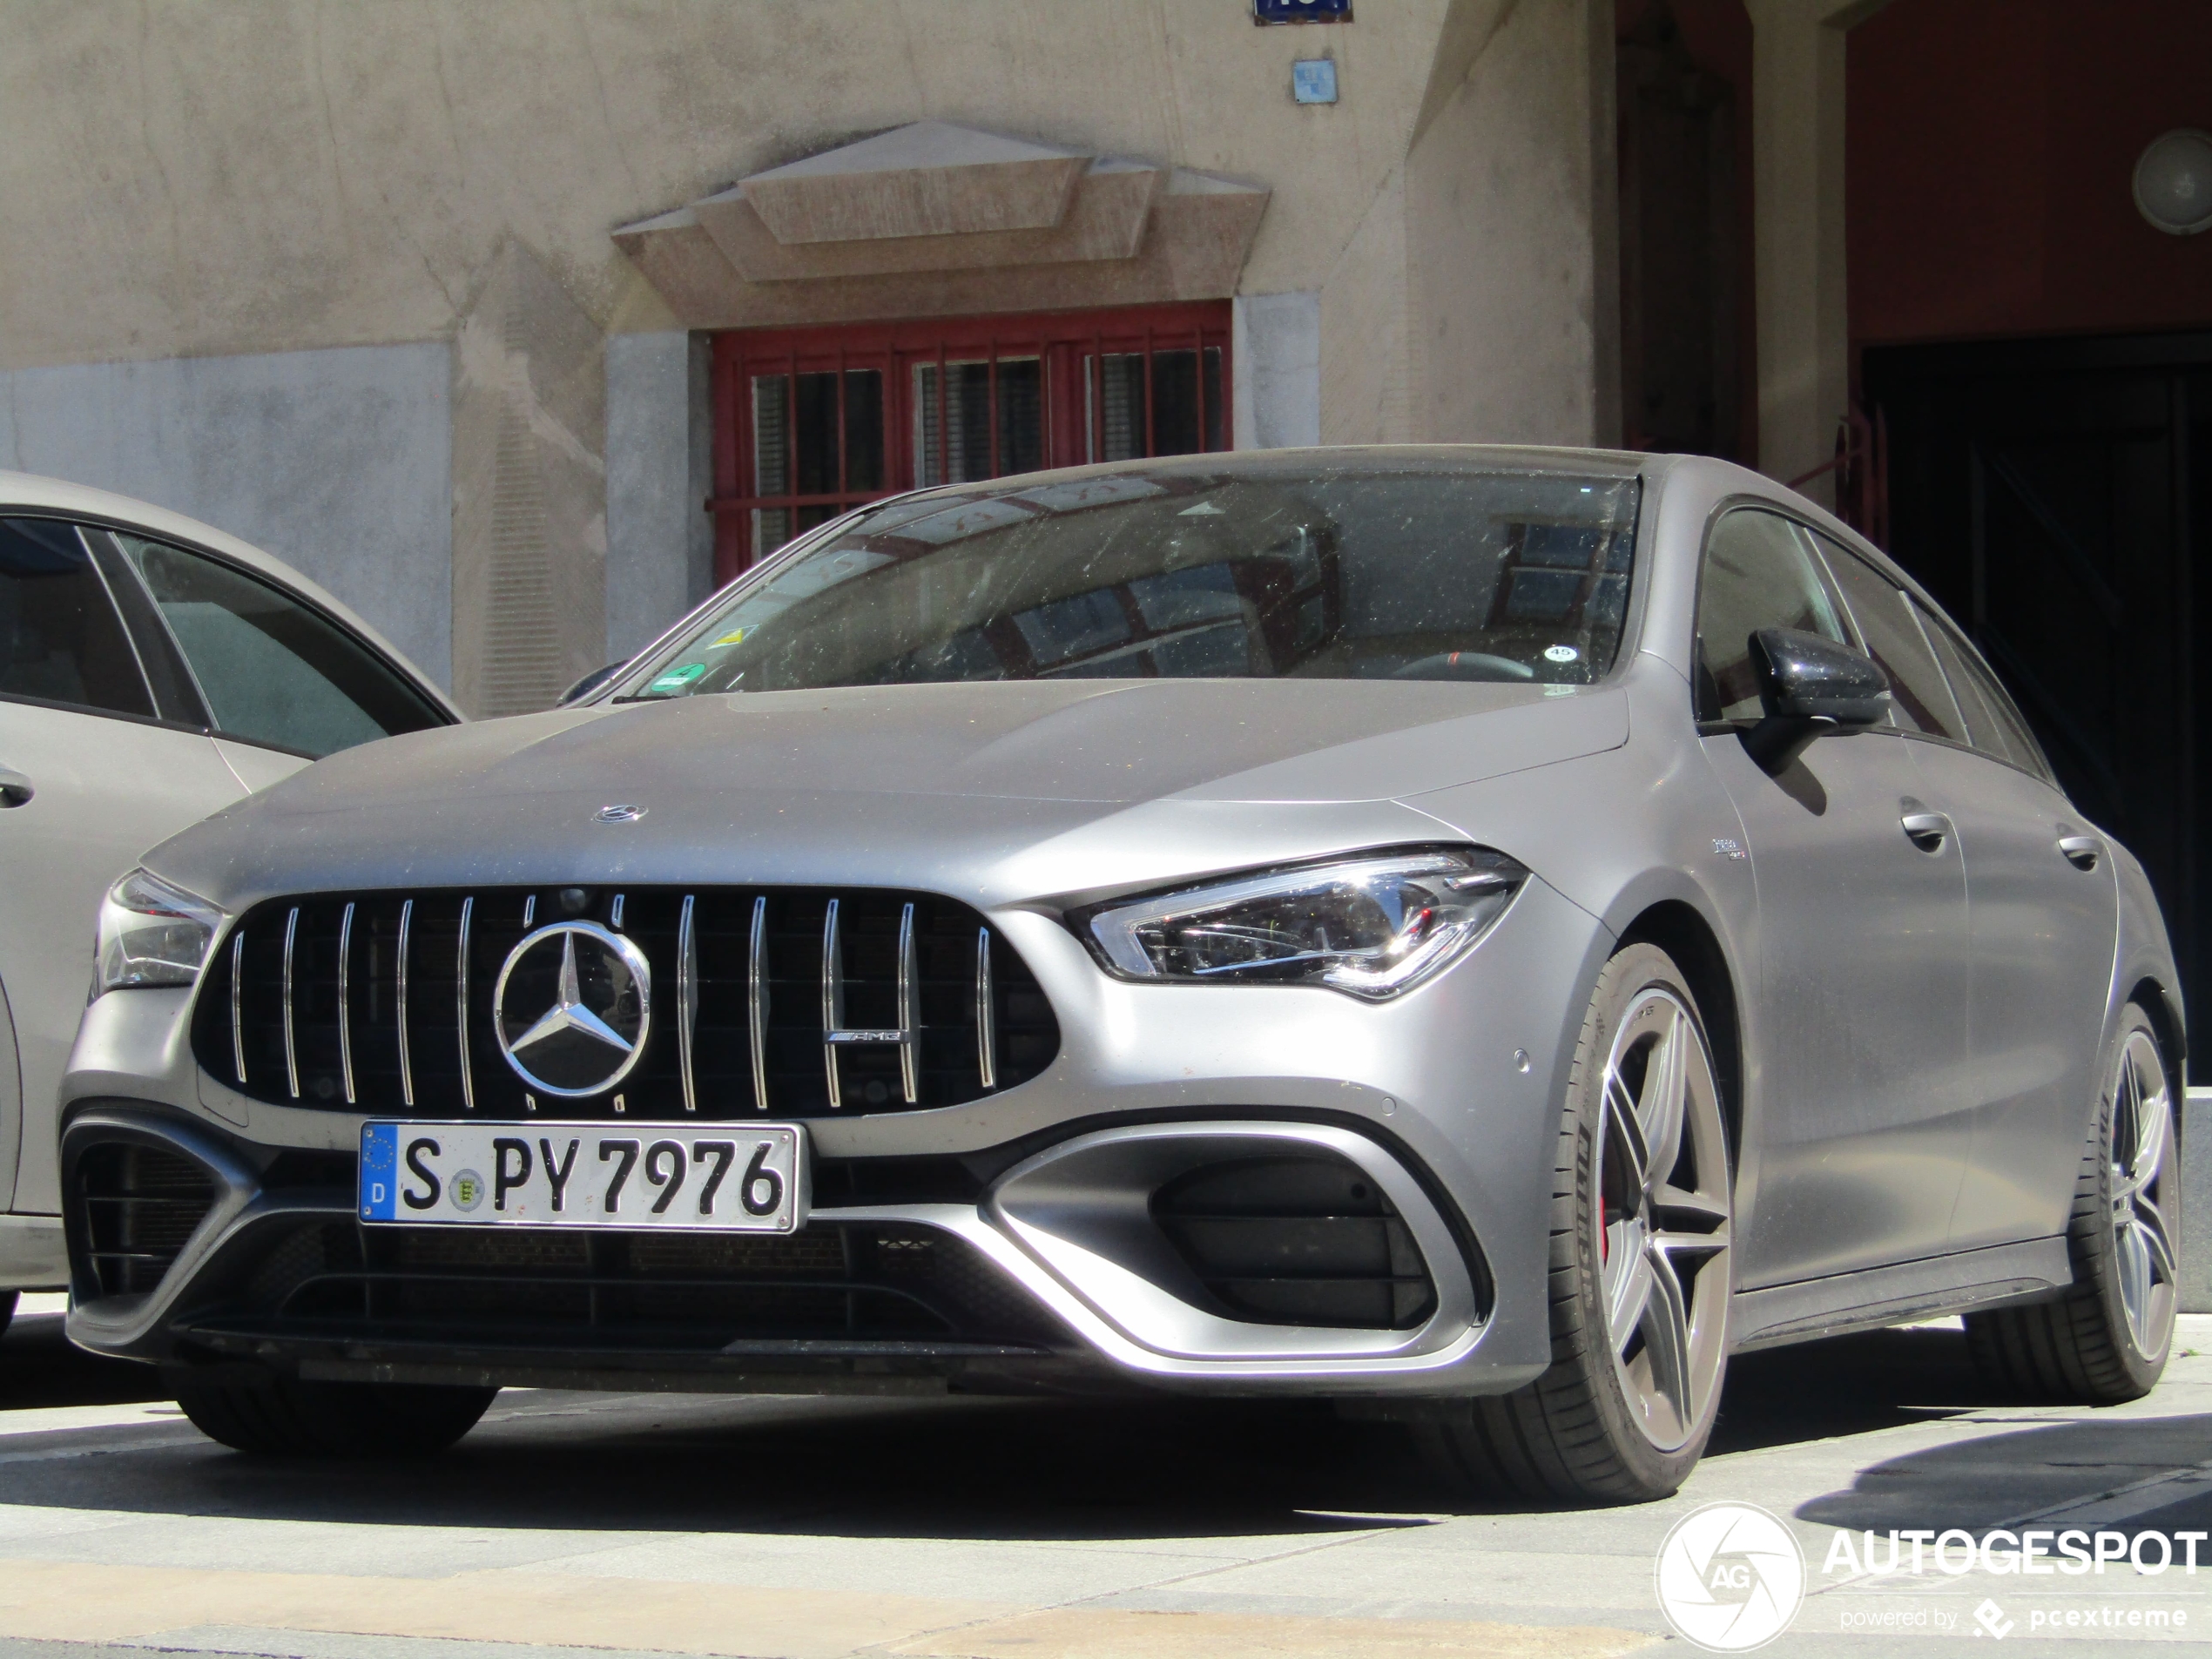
[1301,11]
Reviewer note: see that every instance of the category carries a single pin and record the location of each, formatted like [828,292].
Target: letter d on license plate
[748,1178]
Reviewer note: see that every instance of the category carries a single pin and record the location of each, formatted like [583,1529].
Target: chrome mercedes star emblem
[600,986]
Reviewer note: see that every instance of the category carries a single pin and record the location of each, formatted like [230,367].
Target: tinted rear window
[60,638]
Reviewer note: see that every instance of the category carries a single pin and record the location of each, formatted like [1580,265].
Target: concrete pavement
[570,1525]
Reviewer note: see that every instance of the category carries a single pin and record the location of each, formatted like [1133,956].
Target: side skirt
[1960,1283]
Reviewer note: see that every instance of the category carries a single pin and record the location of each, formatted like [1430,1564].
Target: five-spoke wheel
[1640,1271]
[2106,1339]
[1662,1220]
[2143,1131]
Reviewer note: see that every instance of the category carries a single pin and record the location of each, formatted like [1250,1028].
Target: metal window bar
[944,476]
[1151,440]
[1045,433]
[1199,356]
[1096,373]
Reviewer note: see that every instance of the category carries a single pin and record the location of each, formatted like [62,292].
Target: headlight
[152,933]
[1374,924]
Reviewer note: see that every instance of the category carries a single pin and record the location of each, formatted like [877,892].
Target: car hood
[902,779]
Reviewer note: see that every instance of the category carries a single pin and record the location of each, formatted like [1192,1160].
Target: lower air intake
[139,1204]
[625,1291]
[1302,1240]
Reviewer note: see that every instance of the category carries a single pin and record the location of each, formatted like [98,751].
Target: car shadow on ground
[1848,1385]
[1040,1470]
[39,1368]
[2018,1471]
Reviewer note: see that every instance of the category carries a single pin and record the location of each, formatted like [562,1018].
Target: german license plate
[731,1179]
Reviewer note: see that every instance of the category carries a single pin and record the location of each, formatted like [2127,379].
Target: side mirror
[593,681]
[1808,685]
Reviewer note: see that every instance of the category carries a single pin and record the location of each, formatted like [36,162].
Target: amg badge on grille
[572,1008]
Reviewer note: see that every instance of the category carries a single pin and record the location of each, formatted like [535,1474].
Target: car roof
[23,492]
[1347,457]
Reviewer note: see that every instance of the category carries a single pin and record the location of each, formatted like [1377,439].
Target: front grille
[140,1204]
[657,1292]
[1297,1240]
[797,1001]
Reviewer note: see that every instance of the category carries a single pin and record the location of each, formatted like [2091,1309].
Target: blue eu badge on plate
[379,1182]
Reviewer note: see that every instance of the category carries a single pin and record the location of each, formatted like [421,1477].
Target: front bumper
[1019,1242]
[1060,1275]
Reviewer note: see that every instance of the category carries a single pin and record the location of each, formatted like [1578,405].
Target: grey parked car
[153,670]
[1483,934]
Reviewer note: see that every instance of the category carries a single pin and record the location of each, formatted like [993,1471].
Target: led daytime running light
[1373,926]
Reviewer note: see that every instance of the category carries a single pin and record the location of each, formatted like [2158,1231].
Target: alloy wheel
[2142,1132]
[1664,1219]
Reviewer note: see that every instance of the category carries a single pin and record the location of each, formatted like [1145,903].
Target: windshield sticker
[735,636]
[677,678]
[1204,509]
[1560,653]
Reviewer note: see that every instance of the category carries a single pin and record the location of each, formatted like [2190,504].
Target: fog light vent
[140,1204]
[1307,1240]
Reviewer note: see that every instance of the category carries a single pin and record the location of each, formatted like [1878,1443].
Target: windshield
[1423,575]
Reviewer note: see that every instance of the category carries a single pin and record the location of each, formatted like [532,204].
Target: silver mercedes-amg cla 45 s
[1482,934]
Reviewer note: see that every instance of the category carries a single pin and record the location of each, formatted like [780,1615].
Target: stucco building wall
[289,174]
[1508,209]
[218,214]
[338,462]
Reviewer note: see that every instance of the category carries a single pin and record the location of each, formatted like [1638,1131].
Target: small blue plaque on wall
[1301,11]
[1313,80]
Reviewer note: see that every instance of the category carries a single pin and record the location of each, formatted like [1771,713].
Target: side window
[1893,639]
[1994,724]
[270,669]
[1758,573]
[60,639]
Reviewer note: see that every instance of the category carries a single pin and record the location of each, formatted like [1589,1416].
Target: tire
[2106,1340]
[1621,1422]
[8,1300]
[274,1416]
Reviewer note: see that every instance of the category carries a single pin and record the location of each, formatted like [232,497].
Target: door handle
[2080,851]
[1924,829]
[15,788]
